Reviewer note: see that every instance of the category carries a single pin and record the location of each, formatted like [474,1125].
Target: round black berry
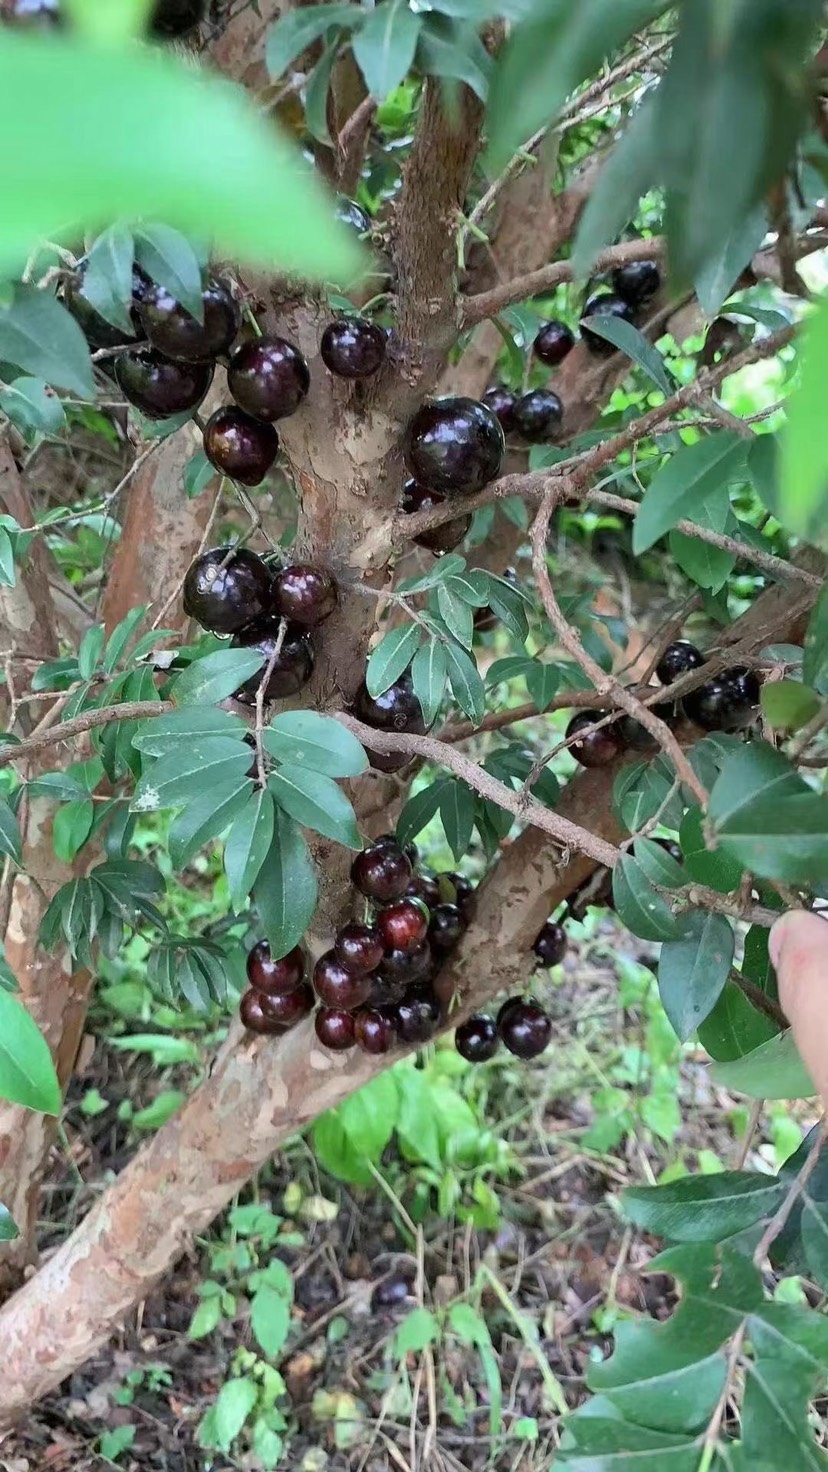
[292,667]
[524,1027]
[605,303]
[727,702]
[502,402]
[375,1031]
[453,445]
[176,333]
[306,595]
[159,387]
[476,1040]
[336,987]
[424,887]
[550,944]
[382,871]
[445,927]
[637,282]
[268,377]
[441,538]
[461,892]
[253,1016]
[594,748]
[239,446]
[98,332]
[288,1008]
[335,1028]
[553,342]
[677,659]
[416,1017]
[175,18]
[403,925]
[225,590]
[400,969]
[274,977]
[359,948]
[637,737]
[538,415]
[353,347]
[396,710]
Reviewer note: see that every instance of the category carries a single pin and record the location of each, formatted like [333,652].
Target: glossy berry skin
[98,332]
[359,949]
[416,1017]
[403,925]
[336,987]
[226,590]
[382,871]
[159,387]
[637,282]
[538,416]
[550,944]
[502,402]
[464,896]
[677,659]
[349,213]
[353,347]
[553,342]
[288,1008]
[175,18]
[275,977]
[445,927]
[595,748]
[727,702]
[412,853]
[602,304]
[239,446]
[404,968]
[396,710]
[176,333]
[268,378]
[335,1028]
[476,1040]
[524,1027]
[454,444]
[292,668]
[375,1031]
[637,737]
[441,538]
[424,887]
[670,847]
[253,1016]
[306,595]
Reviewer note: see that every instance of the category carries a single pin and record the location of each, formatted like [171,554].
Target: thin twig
[491,303]
[261,688]
[797,1186]
[135,710]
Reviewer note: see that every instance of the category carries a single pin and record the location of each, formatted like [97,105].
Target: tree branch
[485,304]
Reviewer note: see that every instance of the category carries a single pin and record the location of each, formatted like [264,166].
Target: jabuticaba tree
[369,464]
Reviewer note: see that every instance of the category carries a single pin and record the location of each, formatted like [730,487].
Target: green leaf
[707,866]
[10,841]
[306,738]
[455,613]
[454,53]
[692,970]
[115,105]
[429,670]
[198,473]
[628,172]
[783,839]
[774,1070]
[659,866]
[717,276]
[34,407]
[295,31]
[169,259]
[457,807]
[815,1237]
[27,1073]
[755,770]
[684,482]
[236,1400]
[91,649]
[466,684]
[391,658]
[316,802]
[247,846]
[121,635]
[706,566]
[384,46]
[216,676]
[634,345]
[165,735]
[734,1027]
[775,1417]
[285,891]
[345,1139]
[508,605]
[419,810]
[788,705]
[182,776]
[542,682]
[107,277]
[703,1208]
[416,1332]
[71,827]
[416,1125]
[206,818]
[8,1230]
[804,453]
[639,906]
[270,1319]
[37,334]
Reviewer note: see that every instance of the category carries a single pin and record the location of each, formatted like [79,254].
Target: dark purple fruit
[476,1040]
[417,1016]
[677,659]
[538,415]
[412,853]
[464,893]
[637,737]
[605,303]
[382,871]
[335,1028]
[98,332]
[176,333]
[338,988]
[424,887]
[253,1016]
[304,594]
[404,968]
[445,928]
[403,925]
[396,710]
[524,1027]
[348,212]
[175,18]
[637,282]
[375,1031]
[275,977]
[502,402]
[239,446]
[441,538]
[594,748]
[268,377]
[288,1008]
[553,342]
[727,702]
[353,347]
[159,387]
[292,667]
[550,944]
[454,444]
[226,590]
[671,847]
[359,949]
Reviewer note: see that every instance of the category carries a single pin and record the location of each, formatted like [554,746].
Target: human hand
[798,948]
